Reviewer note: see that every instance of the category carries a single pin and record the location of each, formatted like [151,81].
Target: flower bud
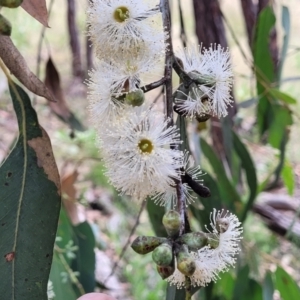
[5,26]
[185,262]
[172,222]
[146,244]
[135,98]
[213,240]
[194,240]
[165,271]
[222,224]
[163,254]
[11,3]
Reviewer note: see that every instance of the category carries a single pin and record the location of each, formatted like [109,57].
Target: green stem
[188,288]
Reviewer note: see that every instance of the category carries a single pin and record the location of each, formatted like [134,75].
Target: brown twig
[116,264]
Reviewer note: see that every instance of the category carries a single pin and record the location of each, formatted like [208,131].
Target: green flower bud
[163,254]
[146,244]
[165,271]
[185,262]
[194,240]
[202,79]
[172,222]
[135,98]
[11,3]
[5,26]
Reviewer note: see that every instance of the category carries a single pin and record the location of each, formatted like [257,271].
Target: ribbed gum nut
[185,262]
[146,244]
[165,271]
[135,98]
[172,222]
[11,3]
[163,254]
[194,240]
[5,26]
[222,224]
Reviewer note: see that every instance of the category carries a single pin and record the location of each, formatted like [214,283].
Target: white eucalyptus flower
[210,262]
[169,196]
[138,156]
[120,25]
[212,67]
[103,91]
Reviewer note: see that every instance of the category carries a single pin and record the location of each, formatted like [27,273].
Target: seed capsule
[165,271]
[163,254]
[146,244]
[194,240]
[135,98]
[185,263]
[171,221]
[5,26]
[11,3]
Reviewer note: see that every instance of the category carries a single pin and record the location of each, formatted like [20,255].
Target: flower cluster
[212,71]
[210,261]
[138,146]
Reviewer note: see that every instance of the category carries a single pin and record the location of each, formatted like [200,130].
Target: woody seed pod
[185,262]
[171,222]
[163,254]
[146,244]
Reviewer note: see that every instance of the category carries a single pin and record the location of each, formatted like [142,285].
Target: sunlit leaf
[287,175]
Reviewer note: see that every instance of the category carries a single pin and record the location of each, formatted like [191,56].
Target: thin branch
[116,264]
[153,85]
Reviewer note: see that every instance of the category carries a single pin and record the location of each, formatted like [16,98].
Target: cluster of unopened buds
[197,255]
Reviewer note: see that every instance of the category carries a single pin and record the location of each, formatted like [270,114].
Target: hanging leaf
[156,214]
[277,94]
[245,287]
[287,174]
[264,67]
[60,108]
[30,204]
[286,285]
[268,287]
[62,285]
[17,65]
[286,24]
[249,168]
[85,256]
[281,120]
[37,9]
[228,193]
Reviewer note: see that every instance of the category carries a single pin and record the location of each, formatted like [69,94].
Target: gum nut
[163,255]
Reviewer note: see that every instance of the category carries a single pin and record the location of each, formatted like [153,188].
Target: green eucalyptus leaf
[282,96]
[286,285]
[30,203]
[287,174]
[264,67]
[85,260]
[228,193]
[268,287]
[249,168]
[286,24]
